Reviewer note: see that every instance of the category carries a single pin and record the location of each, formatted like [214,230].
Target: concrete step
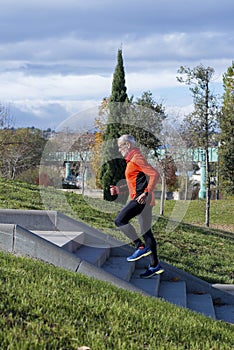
[119,267]
[42,234]
[93,255]
[95,251]
[149,285]
[122,250]
[86,247]
[174,292]
[17,240]
[79,243]
[67,240]
[225,313]
[201,303]
[228,288]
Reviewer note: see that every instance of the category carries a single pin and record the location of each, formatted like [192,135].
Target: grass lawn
[206,253]
[45,307]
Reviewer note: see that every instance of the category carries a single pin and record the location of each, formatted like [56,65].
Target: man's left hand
[142,199]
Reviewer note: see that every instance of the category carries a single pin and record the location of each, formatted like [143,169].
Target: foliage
[31,176]
[21,149]
[113,166]
[200,124]
[83,146]
[144,121]
[168,168]
[119,90]
[96,154]
[226,149]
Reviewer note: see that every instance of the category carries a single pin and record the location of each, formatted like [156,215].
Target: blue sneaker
[139,253]
[151,271]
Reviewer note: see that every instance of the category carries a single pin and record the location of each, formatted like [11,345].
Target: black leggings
[144,214]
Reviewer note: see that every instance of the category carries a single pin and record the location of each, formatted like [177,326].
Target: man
[141,179]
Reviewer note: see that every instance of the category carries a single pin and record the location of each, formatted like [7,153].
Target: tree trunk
[186,187]
[207,157]
[83,180]
[207,189]
[163,194]
[217,182]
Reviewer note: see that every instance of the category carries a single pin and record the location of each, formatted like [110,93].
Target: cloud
[53,114]
[17,85]
[86,18]
[57,56]
[73,55]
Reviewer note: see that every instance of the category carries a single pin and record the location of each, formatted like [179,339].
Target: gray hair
[127,138]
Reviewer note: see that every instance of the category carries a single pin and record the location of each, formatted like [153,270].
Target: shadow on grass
[203,252]
[163,221]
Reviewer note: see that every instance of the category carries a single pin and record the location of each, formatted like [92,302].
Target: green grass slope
[45,307]
[206,253]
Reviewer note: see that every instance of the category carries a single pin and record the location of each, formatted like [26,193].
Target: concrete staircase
[65,242]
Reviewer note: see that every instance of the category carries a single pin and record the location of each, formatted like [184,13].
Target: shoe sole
[141,256]
[153,274]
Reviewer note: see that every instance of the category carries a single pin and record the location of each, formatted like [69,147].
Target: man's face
[124,148]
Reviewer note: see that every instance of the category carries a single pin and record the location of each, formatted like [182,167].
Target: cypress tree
[113,168]
[226,149]
[119,90]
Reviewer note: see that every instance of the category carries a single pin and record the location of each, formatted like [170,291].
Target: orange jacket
[140,175]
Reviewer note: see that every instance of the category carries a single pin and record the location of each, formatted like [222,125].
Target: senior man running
[141,179]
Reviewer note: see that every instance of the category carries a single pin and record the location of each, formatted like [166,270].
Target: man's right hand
[114,190]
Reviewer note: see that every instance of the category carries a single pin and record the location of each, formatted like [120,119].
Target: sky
[57,58]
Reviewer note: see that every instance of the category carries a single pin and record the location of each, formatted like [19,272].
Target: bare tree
[83,146]
[6,118]
[200,124]
[21,150]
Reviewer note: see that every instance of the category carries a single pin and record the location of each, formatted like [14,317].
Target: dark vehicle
[71,183]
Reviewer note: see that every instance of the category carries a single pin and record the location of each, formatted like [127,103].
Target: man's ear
[128,144]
